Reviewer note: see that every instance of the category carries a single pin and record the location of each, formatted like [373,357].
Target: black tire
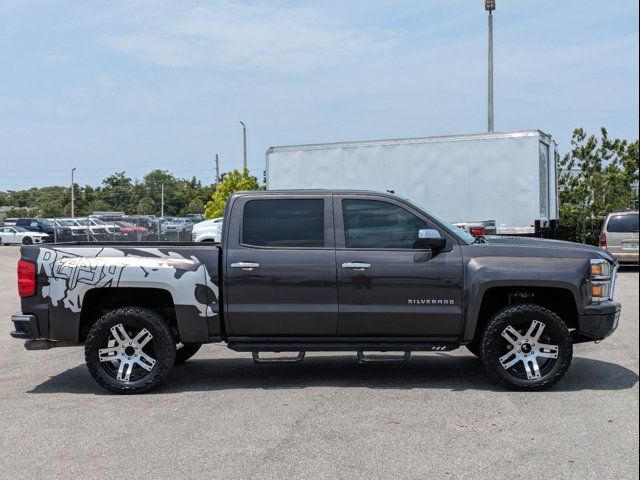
[187,351]
[524,376]
[27,241]
[160,348]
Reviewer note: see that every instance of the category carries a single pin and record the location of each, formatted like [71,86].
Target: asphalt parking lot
[220,416]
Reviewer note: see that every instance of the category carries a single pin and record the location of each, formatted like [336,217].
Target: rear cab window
[626,223]
[284,223]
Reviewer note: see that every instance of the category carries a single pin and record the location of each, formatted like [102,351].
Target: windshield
[85,223]
[67,223]
[20,229]
[125,224]
[97,221]
[48,223]
[623,223]
[453,230]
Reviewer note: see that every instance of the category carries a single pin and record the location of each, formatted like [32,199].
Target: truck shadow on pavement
[440,371]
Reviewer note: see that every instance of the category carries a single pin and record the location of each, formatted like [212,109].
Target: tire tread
[165,356]
[493,331]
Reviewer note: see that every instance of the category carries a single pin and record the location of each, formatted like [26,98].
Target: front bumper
[26,326]
[600,320]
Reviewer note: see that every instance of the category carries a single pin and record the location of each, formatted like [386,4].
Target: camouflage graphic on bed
[73,272]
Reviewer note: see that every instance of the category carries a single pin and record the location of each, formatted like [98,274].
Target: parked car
[176,229]
[73,226]
[306,271]
[21,236]
[112,229]
[131,230]
[196,217]
[176,224]
[207,231]
[37,225]
[145,221]
[620,236]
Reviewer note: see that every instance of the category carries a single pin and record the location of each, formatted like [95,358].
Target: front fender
[484,273]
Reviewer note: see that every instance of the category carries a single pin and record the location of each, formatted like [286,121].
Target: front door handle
[356,265]
[248,266]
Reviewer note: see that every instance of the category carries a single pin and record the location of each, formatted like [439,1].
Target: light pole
[244,144]
[490,6]
[73,196]
[162,200]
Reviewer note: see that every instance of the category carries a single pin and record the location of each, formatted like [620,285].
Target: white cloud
[235,35]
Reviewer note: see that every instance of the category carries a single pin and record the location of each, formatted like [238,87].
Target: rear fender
[69,273]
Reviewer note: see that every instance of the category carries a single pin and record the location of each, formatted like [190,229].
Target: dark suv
[39,225]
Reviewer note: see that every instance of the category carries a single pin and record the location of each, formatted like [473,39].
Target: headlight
[602,280]
[600,269]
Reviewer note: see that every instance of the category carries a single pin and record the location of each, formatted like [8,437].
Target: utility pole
[162,200]
[217,169]
[490,6]
[73,196]
[244,143]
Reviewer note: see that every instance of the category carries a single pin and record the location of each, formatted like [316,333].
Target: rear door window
[623,223]
[284,223]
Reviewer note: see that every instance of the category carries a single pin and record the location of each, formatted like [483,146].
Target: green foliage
[146,206]
[233,181]
[118,192]
[18,212]
[195,206]
[596,178]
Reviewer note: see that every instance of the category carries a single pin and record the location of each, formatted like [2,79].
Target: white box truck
[504,183]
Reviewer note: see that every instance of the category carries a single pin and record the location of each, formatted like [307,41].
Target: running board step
[296,359]
[343,347]
[362,358]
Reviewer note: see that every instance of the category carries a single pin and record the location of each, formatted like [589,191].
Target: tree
[146,206]
[118,192]
[596,178]
[195,206]
[232,181]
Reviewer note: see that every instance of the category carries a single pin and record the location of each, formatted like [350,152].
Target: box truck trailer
[504,183]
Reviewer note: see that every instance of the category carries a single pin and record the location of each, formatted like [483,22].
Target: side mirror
[429,239]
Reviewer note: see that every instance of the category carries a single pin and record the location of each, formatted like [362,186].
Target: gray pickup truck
[301,271]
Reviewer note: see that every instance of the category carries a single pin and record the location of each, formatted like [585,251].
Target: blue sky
[135,85]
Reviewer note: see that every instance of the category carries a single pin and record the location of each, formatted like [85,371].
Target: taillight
[603,240]
[26,278]
[477,231]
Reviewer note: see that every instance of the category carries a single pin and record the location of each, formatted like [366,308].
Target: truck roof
[315,191]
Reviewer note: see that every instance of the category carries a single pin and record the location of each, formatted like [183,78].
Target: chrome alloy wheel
[127,355]
[531,353]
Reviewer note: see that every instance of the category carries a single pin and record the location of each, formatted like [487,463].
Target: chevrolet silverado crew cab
[301,271]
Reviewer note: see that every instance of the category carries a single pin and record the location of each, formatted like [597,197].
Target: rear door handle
[356,265]
[248,266]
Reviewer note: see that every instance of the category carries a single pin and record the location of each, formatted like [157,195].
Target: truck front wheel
[526,347]
[129,350]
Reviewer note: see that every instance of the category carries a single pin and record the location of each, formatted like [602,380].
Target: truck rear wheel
[526,347]
[129,350]
[187,351]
